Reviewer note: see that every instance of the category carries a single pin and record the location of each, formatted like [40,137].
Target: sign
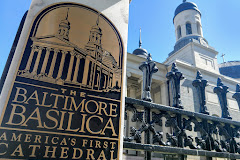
[65,100]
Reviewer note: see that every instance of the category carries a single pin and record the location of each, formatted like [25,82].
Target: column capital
[79,56]
[40,47]
[73,53]
[129,74]
[33,46]
[140,80]
[56,50]
[133,86]
[64,52]
[49,49]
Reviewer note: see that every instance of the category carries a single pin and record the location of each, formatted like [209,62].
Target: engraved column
[86,70]
[30,58]
[64,53]
[53,63]
[76,68]
[37,60]
[70,66]
[45,61]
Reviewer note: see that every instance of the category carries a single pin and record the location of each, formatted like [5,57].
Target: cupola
[64,28]
[140,51]
[188,25]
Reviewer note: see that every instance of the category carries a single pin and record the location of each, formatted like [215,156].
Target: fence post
[200,84]
[174,77]
[148,68]
[221,90]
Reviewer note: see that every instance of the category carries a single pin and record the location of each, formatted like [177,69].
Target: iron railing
[173,130]
[203,143]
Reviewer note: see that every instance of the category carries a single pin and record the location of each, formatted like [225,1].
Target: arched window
[179,32]
[199,28]
[188,28]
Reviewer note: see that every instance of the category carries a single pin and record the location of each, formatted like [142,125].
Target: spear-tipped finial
[67,14]
[98,19]
[238,88]
[149,58]
[219,82]
[174,67]
[199,75]
[140,39]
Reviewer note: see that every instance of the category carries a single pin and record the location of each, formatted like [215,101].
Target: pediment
[55,40]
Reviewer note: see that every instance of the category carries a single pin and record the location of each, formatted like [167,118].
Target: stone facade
[191,53]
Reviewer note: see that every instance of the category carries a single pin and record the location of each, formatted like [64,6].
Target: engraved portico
[55,58]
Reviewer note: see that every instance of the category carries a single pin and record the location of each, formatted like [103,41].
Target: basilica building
[55,59]
[192,54]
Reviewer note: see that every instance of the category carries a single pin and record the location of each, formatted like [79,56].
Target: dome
[96,28]
[140,52]
[65,23]
[230,69]
[186,6]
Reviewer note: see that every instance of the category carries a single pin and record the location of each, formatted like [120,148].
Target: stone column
[77,68]
[70,66]
[30,58]
[37,60]
[140,81]
[126,84]
[64,53]
[45,61]
[132,90]
[164,93]
[50,74]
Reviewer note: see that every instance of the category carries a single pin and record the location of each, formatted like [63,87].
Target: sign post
[63,96]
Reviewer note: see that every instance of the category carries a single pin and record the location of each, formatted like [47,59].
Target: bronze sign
[65,102]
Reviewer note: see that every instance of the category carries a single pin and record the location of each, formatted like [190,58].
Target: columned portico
[55,59]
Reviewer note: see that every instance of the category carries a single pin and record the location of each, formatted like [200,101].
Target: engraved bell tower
[94,45]
[64,28]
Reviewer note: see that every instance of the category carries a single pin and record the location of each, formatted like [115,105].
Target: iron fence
[173,130]
[181,142]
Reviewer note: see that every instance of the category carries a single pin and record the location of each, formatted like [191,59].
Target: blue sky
[220,23]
